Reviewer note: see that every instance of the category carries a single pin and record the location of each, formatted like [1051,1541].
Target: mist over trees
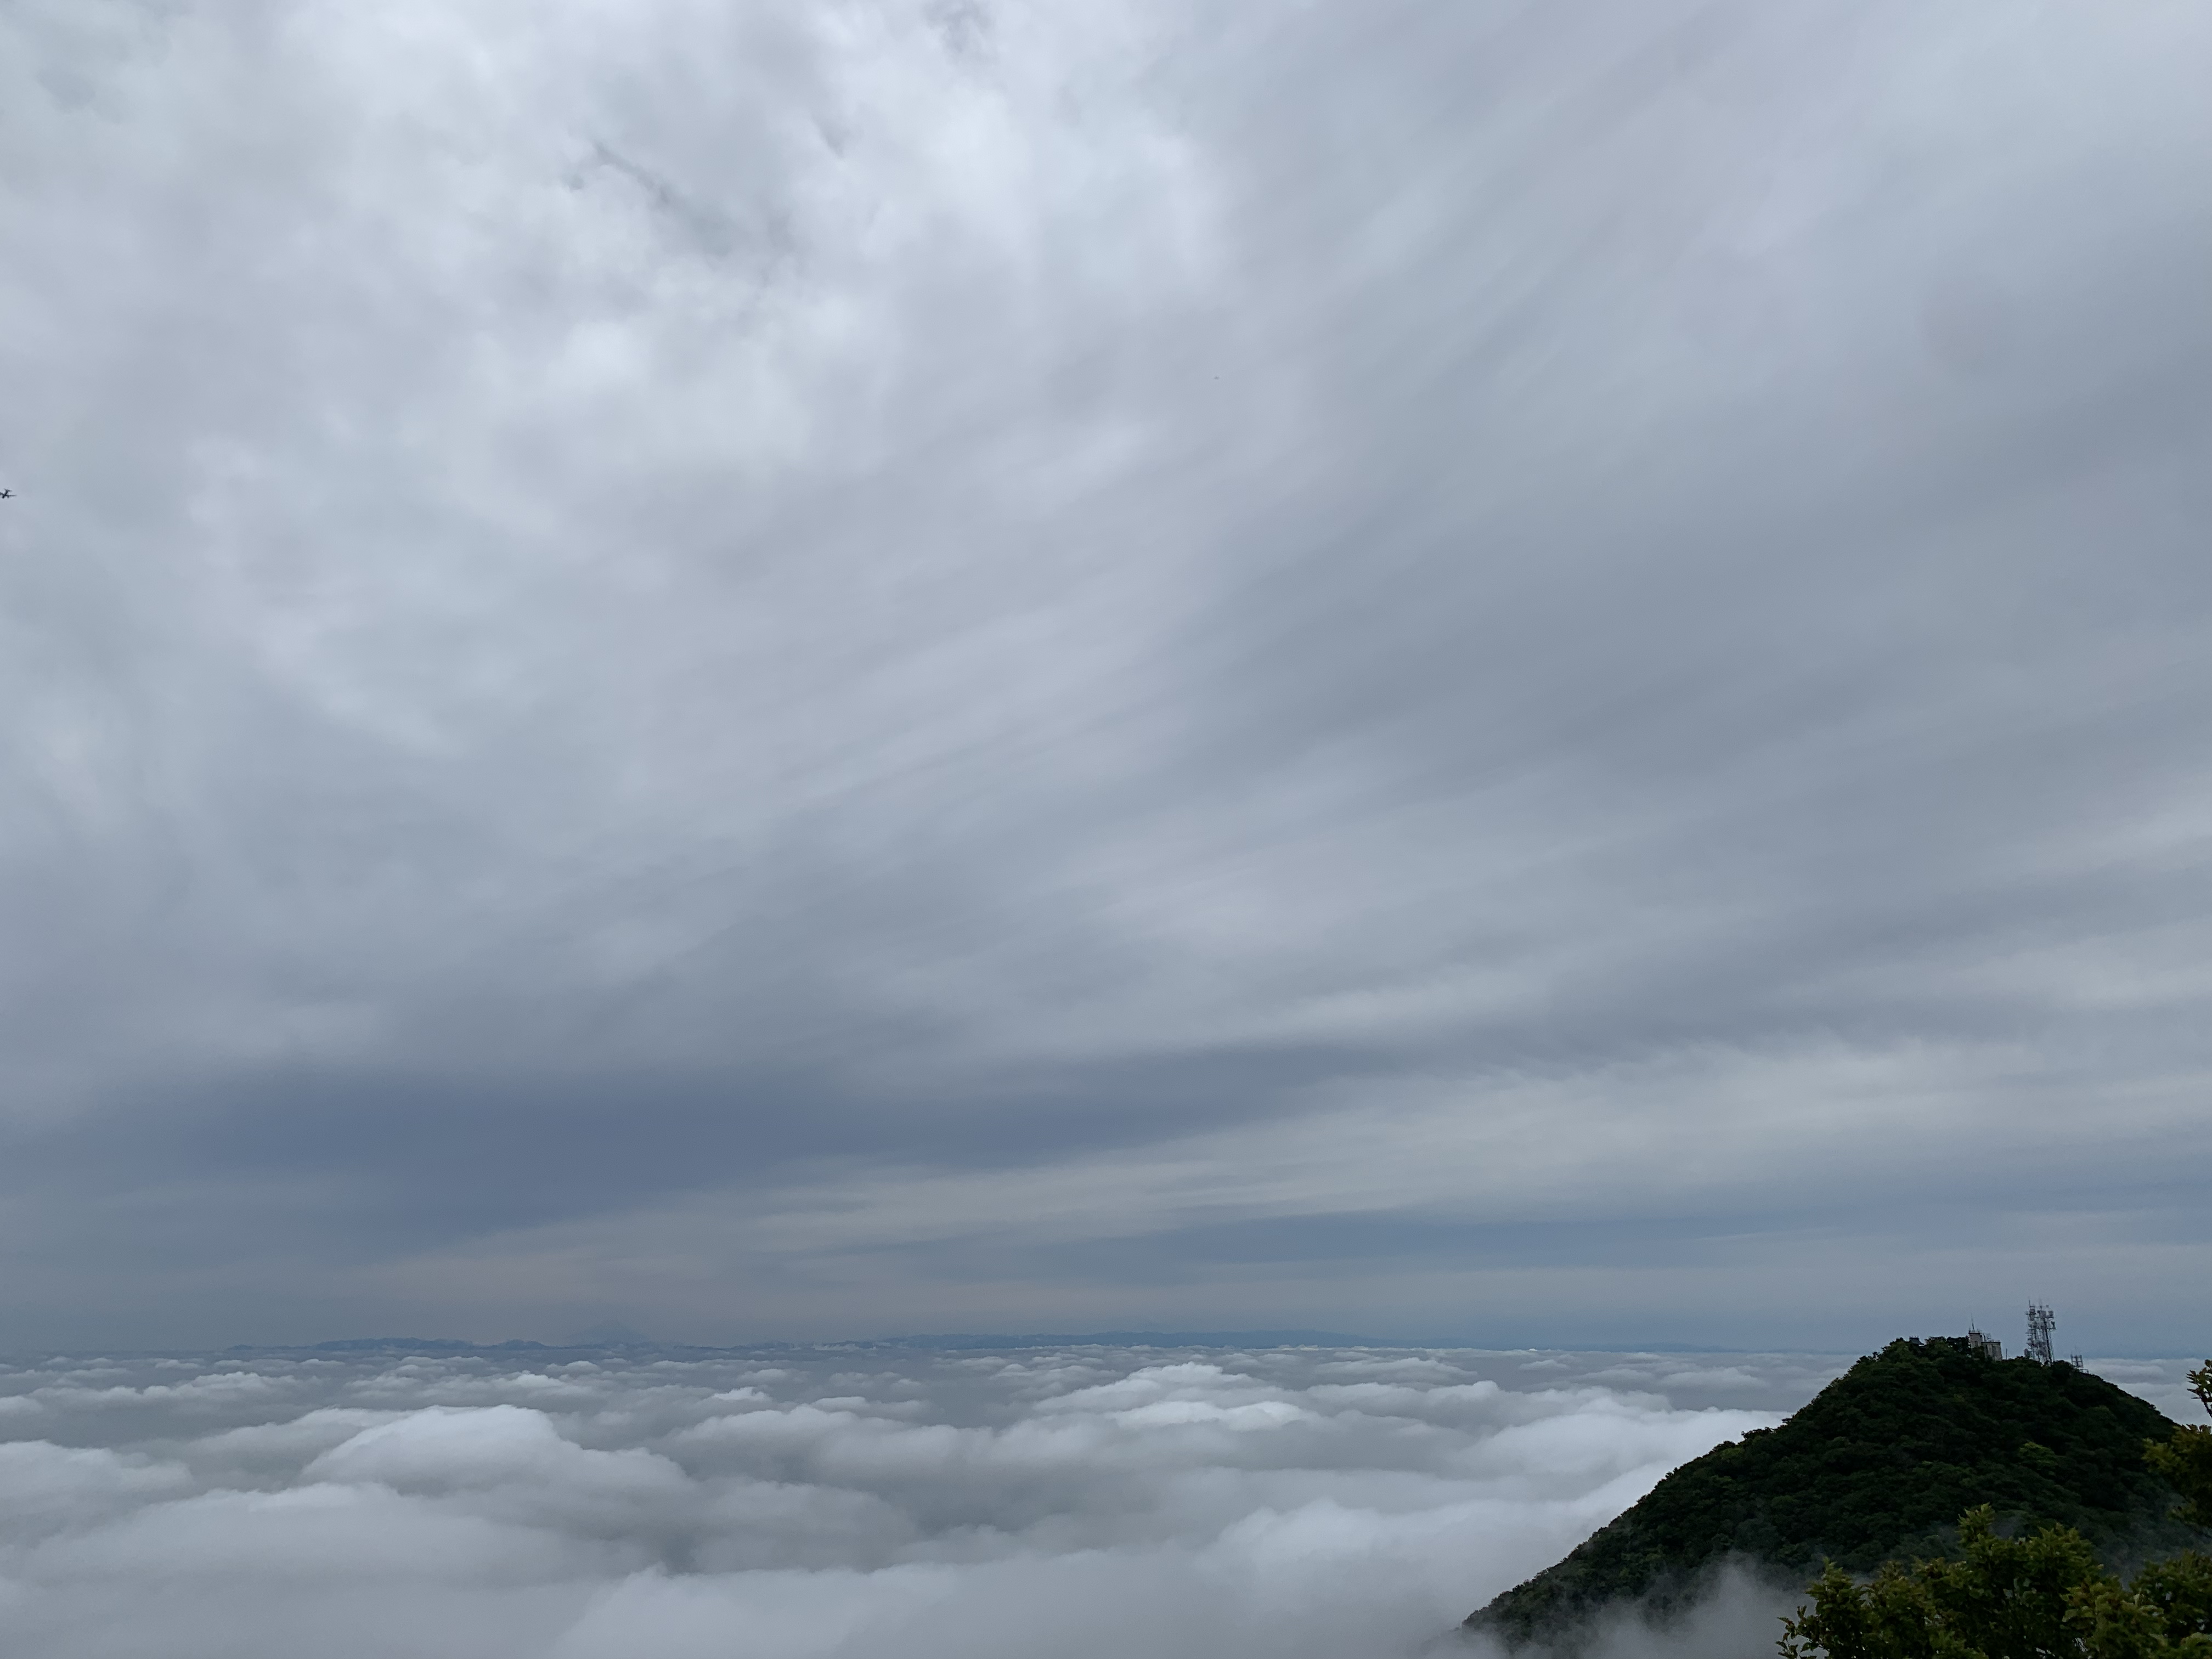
[2185,1459]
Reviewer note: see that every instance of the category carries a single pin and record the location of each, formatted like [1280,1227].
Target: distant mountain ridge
[617,1338]
[1879,1466]
[1293,1339]
[419,1345]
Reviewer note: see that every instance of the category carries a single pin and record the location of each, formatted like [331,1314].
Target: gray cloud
[777,672]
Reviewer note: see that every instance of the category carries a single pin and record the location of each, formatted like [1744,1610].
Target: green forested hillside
[1879,1465]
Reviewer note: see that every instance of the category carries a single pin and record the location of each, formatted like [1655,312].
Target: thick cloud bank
[864,1503]
[856,1503]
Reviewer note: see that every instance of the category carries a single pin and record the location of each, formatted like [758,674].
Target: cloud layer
[851,1503]
[796,1504]
[796,670]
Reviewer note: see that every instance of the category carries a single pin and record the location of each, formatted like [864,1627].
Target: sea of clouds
[848,1502]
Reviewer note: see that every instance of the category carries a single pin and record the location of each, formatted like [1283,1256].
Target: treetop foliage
[2042,1596]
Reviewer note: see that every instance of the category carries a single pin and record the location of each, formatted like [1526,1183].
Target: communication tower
[2040,1323]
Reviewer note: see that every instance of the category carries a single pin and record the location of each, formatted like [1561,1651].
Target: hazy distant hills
[418,1345]
[1879,1464]
[621,1336]
[1146,1339]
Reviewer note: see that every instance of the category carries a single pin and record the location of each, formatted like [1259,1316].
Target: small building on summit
[1988,1347]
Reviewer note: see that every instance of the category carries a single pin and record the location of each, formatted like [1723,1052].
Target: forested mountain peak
[1879,1465]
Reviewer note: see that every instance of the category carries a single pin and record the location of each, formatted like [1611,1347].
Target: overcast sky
[1521,671]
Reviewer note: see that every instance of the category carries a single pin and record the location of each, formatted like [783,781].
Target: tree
[2042,1596]
[2185,1457]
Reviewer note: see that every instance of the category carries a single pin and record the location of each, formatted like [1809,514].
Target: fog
[851,1502]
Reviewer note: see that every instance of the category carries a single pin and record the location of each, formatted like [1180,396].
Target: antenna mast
[2040,1323]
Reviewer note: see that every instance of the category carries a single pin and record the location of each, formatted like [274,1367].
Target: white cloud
[1091,1501]
[49,1488]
